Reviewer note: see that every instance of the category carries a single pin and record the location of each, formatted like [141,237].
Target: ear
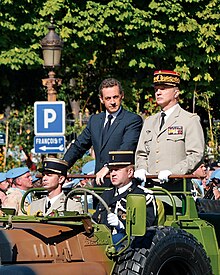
[61,179]
[101,99]
[176,93]
[18,182]
[130,172]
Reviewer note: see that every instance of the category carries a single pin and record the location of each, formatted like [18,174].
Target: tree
[120,38]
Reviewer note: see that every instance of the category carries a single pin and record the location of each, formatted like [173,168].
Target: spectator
[213,192]
[200,173]
[4,185]
[87,169]
[172,141]
[123,132]
[37,181]
[54,173]
[205,181]
[121,165]
[21,182]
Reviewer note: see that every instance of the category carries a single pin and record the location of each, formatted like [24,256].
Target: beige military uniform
[178,147]
[13,200]
[40,205]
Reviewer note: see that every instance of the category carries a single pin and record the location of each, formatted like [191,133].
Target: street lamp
[52,46]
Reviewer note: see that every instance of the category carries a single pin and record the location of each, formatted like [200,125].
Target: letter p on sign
[49,118]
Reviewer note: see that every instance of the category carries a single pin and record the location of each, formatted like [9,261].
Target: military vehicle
[185,241]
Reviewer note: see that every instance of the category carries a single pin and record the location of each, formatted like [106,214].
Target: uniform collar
[170,111]
[124,188]
[54,198]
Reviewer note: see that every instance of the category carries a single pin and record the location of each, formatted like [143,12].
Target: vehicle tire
[172,251]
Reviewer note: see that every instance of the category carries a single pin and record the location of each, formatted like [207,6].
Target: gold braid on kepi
[165,77]
[54,165]
[121,158]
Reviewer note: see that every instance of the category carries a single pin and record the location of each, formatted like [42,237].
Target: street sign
[50,144]
[2,139]
[49,118]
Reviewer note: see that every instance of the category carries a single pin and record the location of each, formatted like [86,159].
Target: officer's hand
[113,220]
[101,174]
[141,174]
[163,176]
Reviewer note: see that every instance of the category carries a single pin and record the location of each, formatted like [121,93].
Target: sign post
[49,127]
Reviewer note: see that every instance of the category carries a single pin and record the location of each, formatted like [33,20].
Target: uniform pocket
[175,138]
[148,140]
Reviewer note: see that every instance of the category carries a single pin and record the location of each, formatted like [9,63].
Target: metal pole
[51,83]
[6,143]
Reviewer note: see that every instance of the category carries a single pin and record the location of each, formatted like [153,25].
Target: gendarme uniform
[116,198]
[117,204]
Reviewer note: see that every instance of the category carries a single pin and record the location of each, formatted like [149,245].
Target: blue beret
[88,168]
[75,182]
[2,177]
[215,174]
[16,172]
[34,179]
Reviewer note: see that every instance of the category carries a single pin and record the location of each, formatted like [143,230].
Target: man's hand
[163,176]
[141,174]
[216,193]
[101,174]
[113,220]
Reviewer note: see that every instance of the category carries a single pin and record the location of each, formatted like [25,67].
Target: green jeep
[186,240]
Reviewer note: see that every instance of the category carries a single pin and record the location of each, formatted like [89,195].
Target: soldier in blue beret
[21,182]
[3,187]
[87,169]
[37,181]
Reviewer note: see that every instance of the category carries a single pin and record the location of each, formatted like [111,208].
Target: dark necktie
[162,120]
[106,128]
[47,206]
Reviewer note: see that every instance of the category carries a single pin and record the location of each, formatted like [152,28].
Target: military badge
[123,216]
[175,130]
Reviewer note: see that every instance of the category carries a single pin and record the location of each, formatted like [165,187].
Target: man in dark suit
[122,134]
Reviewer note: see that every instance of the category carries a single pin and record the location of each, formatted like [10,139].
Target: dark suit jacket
[109,197]
[123,135]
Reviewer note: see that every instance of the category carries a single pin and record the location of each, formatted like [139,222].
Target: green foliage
[150,106]
[76,168]
[20,128]
[124,39]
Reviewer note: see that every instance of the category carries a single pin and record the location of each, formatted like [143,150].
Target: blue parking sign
[49,118]
[46,145]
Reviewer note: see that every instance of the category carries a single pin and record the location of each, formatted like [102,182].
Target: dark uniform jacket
[122,135]
[119,201]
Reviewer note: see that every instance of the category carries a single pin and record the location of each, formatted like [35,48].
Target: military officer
[121,166]
[172,141]
[54,173]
